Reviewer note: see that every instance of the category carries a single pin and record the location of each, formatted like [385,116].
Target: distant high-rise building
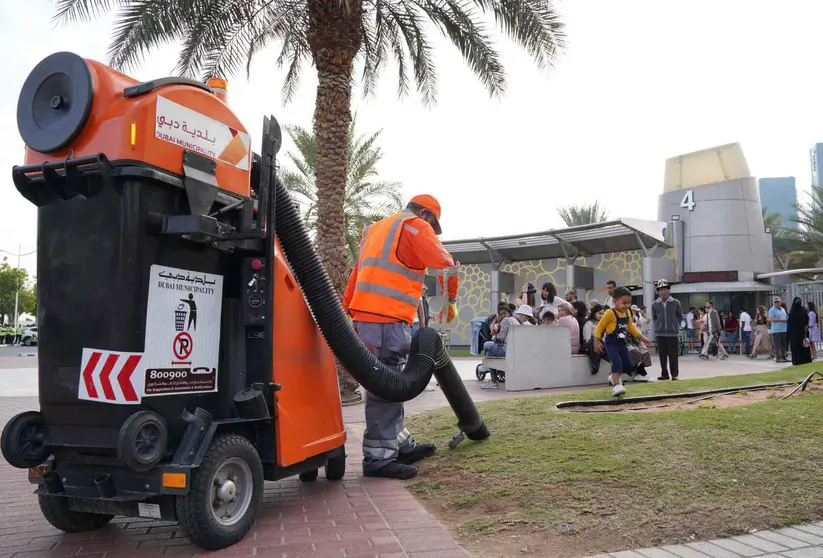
[816,159]
[779,195]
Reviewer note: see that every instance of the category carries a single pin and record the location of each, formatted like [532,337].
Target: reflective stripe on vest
[399,284]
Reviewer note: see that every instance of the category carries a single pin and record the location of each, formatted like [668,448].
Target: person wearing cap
[779,318]
[382,298]
[667,315]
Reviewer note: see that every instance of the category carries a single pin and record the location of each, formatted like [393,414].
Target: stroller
[484,335]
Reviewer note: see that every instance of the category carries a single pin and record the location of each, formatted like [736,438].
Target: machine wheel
[309,476]
[23,442]
[336,468]
[142,441]
[480,373]
[225,494]
[56,511]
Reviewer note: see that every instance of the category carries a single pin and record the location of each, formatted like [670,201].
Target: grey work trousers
[386,433]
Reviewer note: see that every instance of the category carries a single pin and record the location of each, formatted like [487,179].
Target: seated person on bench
[497,347]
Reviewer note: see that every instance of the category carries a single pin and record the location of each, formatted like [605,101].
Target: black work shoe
[421,451]
[393,470]
[662,378]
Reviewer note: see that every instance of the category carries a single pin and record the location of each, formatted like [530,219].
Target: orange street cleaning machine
[187,328]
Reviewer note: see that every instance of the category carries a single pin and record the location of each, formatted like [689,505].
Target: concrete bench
[539,357]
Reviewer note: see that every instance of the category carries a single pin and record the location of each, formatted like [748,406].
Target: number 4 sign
[688,201]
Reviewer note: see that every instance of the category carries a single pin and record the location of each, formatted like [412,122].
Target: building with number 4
[712,205]
[708,241]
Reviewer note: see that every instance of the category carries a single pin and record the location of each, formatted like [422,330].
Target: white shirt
[552,306]
[609,303]
[690,320]
[745,321]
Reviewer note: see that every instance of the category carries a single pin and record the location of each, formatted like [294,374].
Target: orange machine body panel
[309,416]
[154,128]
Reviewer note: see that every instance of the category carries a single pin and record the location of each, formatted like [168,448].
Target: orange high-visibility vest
[385,286]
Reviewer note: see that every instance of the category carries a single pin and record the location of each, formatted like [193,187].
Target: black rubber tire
[336,468]
[26,424]
[194,509]
[56,511]
[127,440]
[480,373]
[309,476]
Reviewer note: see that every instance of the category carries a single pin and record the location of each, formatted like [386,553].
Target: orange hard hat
[431,204]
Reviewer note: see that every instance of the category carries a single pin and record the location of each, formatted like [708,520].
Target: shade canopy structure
[621,235]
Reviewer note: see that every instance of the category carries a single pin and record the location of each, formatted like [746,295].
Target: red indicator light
[256,265]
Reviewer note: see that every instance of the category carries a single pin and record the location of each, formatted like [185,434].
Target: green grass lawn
[555,483]
[461,353]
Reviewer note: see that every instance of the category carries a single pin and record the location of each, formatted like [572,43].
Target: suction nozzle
[55,102]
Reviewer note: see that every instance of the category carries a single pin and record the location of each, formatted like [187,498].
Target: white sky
[642,80]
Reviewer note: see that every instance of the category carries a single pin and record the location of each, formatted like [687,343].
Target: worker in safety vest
[382,296]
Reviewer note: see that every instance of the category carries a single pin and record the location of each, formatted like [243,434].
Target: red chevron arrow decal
[124,378]
[108,366]
[87,372]
[96,383]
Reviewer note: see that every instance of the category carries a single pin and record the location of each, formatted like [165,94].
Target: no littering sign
[182,332]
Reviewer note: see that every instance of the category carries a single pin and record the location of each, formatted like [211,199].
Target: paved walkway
[802,541]
[357,517]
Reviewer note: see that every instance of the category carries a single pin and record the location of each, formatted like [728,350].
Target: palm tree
[575,215]
[220,37]
[367,200]
[790,249]
[808,239]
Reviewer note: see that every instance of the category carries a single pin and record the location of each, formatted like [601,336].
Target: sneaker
[662,378]
[724,357]
[618,390]
[490,385]
[641,377]
[421,451]
[393,470]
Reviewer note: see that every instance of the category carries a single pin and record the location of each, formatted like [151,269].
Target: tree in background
[221,37]
[575,215]
[807,240]
[368,199]
[9,277]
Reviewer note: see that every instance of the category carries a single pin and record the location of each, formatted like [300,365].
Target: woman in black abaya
[798,329]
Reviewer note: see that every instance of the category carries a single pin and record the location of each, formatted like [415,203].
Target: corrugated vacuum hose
[427,355]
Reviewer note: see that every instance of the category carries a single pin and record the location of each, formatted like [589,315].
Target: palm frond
[367,199]
[141,26]
[73,11]
[576,215]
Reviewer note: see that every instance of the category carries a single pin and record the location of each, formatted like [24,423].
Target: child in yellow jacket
[616,325]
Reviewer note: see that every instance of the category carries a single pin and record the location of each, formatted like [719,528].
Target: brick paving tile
[737,547]
[354,518]
[656,553]
[808,552]
[712,550]
[782,540]
[800,535]
[683,551]
[762,544]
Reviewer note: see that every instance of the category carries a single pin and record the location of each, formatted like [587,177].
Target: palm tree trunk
[334,33]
